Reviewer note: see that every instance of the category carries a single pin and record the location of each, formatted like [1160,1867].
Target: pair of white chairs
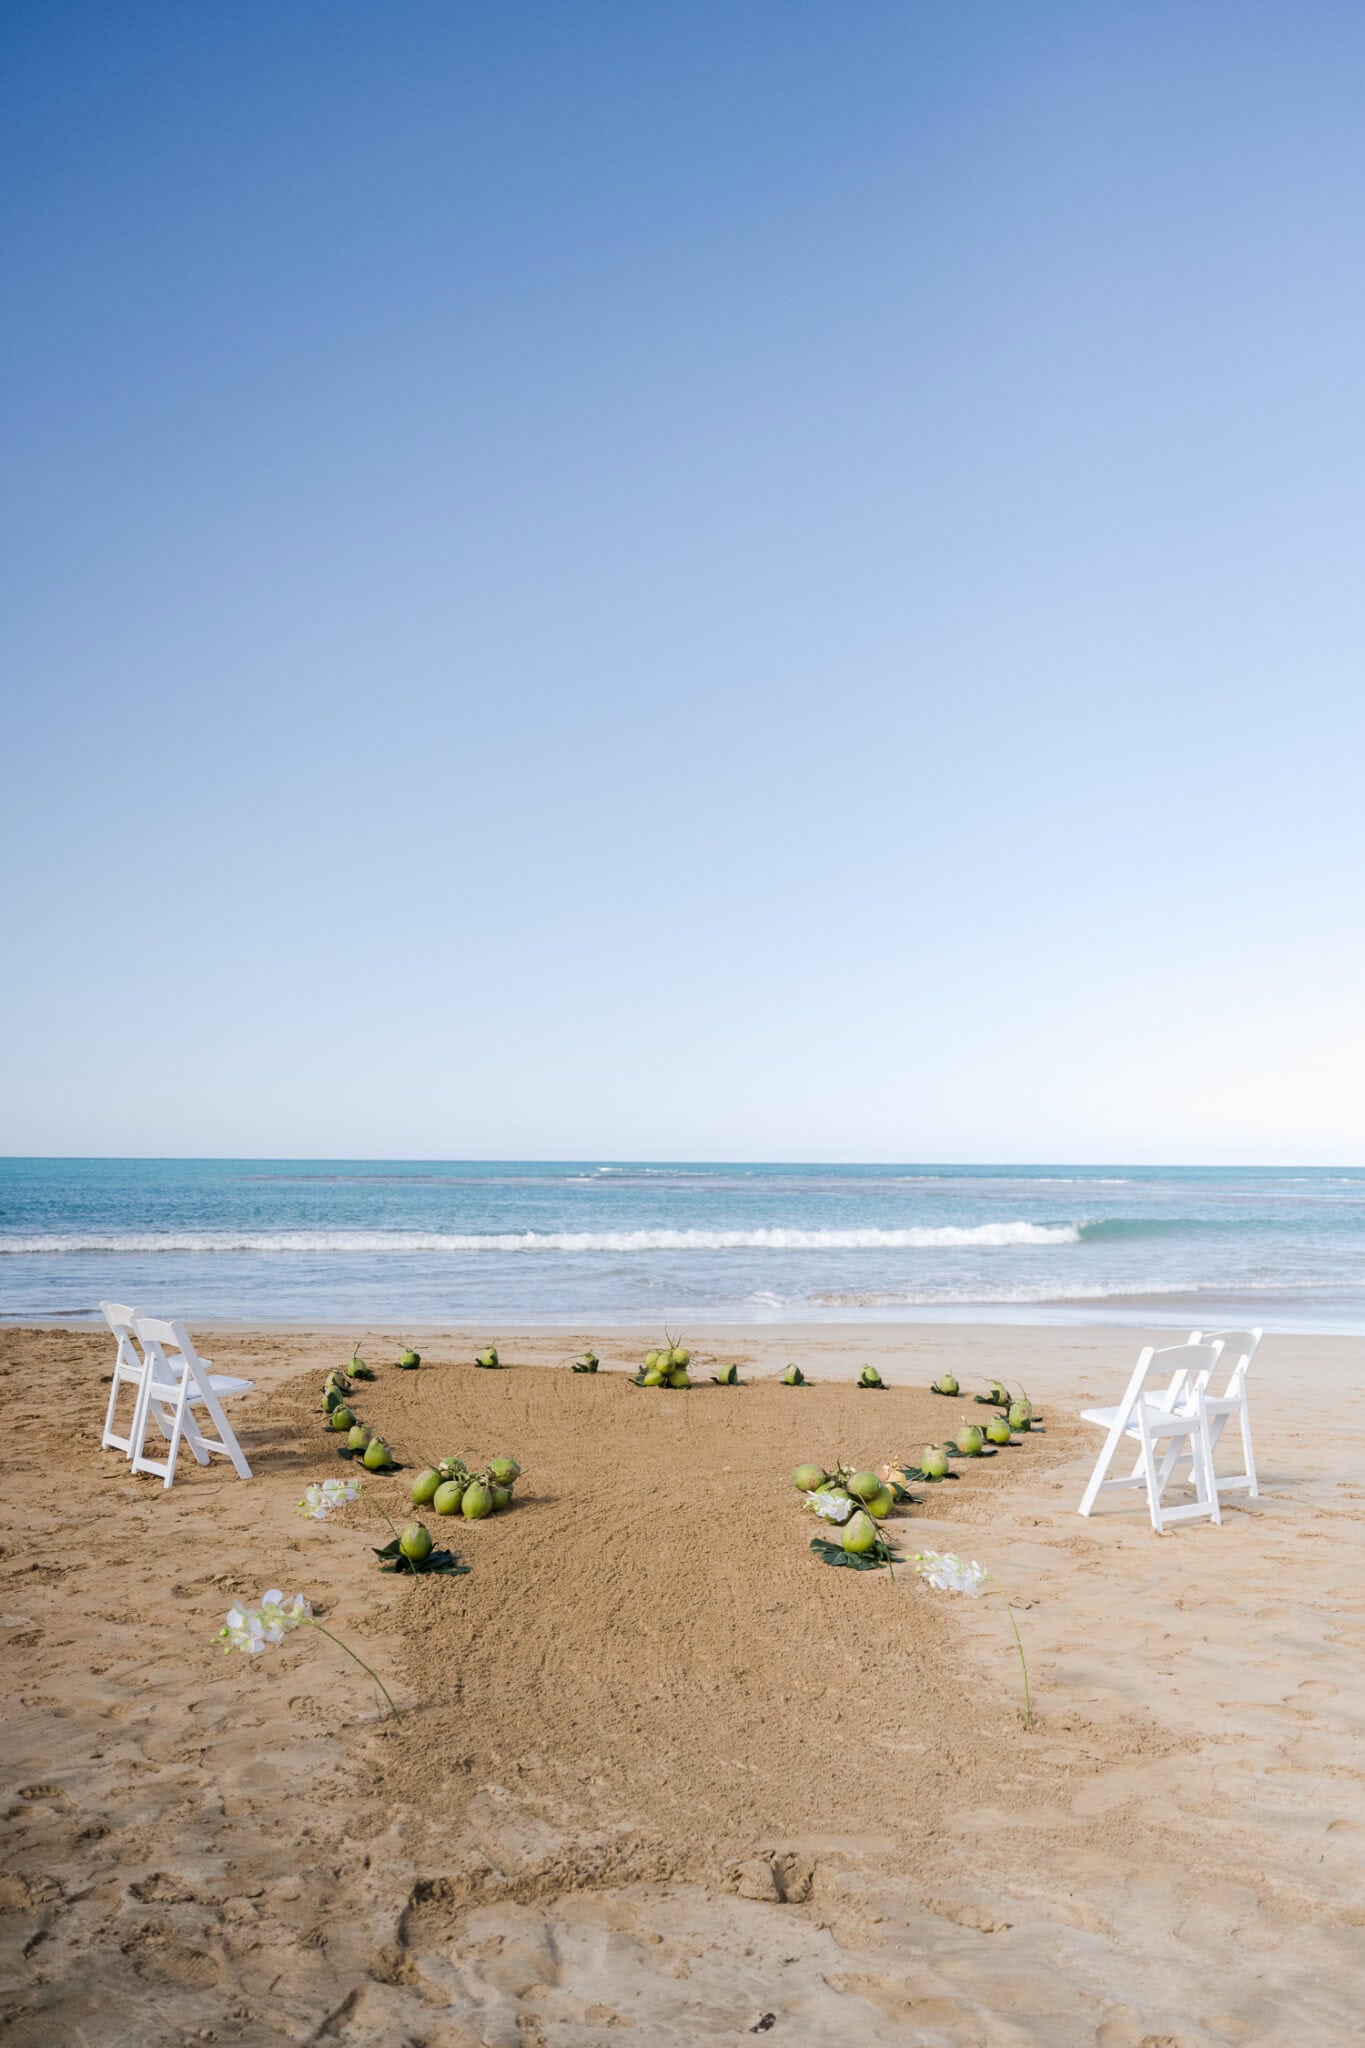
[1171,1412]
[173,1387]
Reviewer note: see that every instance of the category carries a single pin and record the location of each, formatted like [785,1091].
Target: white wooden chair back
[129,1366]
[176,1385]
[1160,1409]
[1217,1410]
[1239,1348]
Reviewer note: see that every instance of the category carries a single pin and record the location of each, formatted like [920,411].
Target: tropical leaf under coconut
[443,1562]
[345,1451]
[927,1478]
[834,1553]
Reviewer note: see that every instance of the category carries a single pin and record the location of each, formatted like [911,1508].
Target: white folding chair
[1216,1410]
[175,1386]
[129,1368]
[1176,1375]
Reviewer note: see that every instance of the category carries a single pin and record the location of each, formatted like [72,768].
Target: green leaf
[835,1554]
[443,1562]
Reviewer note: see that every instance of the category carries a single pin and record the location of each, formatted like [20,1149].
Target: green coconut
[864,1485]
[377,1457]
[653,1377]
[332,1398]
[860,1533]
[880,1504]
[488,1358]
[504,1471]
[869,1377]
[453,1468]
[946,1384]
[342,1417]
[652,1359]
[1021,1415]
[728,1376]
[477,1502]
[679,1377]
[424,1486]
[997,1430]
[358,1438]
[410,1360]
[970,1440]
[448,1496]
[793,1377]
[415,1542]
[807,1478]
[679,1359]
[934,1463]
[502,1498]
[587,1362]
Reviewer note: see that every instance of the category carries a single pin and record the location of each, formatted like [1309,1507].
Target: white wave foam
[353,1241]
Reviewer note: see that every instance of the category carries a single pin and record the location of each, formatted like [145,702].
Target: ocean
[407,1244]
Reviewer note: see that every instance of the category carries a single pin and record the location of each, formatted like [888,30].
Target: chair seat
[1164,1423]
[221,1382]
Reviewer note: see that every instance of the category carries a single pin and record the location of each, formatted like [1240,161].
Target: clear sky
[767,580]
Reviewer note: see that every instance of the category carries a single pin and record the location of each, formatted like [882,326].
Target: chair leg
[1204,1462]
[1102,1464]
[1248,1455]
[226,1435]
[137,1433]
[109,1441]
[177,1431]
[1153,1485]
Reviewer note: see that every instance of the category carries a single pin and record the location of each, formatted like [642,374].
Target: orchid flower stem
[361,1662]
[1019,1645]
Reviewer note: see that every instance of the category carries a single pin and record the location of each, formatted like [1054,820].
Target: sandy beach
[660,1774]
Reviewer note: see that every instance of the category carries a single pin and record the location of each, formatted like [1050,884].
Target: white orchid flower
[319,1500]
[830,1507]
[950,1573]
[252,1628]
[953,1574]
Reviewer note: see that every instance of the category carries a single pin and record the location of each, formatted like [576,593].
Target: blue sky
[767,581]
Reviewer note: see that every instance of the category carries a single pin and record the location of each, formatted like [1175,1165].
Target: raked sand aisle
[647,1714]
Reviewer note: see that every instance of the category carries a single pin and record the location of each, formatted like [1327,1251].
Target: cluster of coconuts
[971,1438]
[372,1451]
[870,1498]
[666,1367]
[452,1489]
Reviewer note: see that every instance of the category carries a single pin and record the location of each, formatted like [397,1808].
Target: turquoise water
[417,1243]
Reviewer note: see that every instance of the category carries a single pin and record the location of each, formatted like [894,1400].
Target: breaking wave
[948,1235]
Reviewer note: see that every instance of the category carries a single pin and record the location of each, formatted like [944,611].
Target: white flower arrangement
[252,1628]
[830,1507]
[319,1499]
[255,1629]
[950,1573]
[953,1574]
